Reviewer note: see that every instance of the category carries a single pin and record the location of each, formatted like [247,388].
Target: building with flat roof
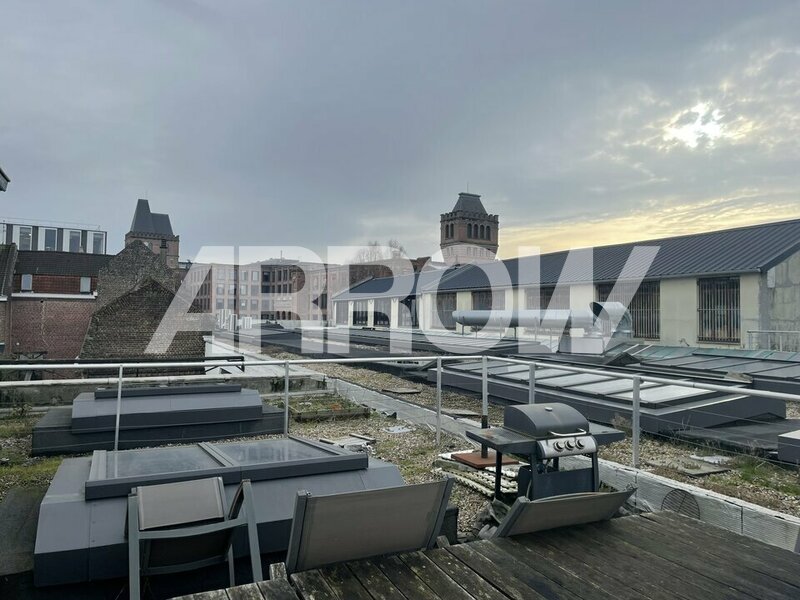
[52,236]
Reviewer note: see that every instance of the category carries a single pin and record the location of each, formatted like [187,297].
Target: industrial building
[706,289]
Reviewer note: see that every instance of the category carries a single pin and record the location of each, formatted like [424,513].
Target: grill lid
[544,420]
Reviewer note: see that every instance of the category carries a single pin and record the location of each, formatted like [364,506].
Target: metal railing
[120,379]
[773,339]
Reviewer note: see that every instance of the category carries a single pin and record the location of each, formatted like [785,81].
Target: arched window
[451,229]
[482,232]
[488,232]
[469,230]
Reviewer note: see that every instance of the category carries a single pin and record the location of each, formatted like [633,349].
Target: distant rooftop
[469,203]
[145,221]
[31,262]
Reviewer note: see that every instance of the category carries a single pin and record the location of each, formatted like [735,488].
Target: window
[718,310]
[266,276]
[74,241]
[254,290]
[243,275]
[86,285]
[360,312]
[26,238]
[50,239]
[231,303]
[27,283]
[407,313]
[469,230]
[254,276]
[243,304]
[220,290]
[243,290]
[341,313]
[482,232]
[220,303]
[97,242]
[488,232]
[381,312]
[445,305]
[548,297]
[488,300]
[645,306]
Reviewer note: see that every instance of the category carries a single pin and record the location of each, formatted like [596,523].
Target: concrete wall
[678,324]
[783,286]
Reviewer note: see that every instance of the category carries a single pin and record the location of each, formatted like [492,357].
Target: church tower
[468,233]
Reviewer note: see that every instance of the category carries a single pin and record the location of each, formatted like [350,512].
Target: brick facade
[54,284]
[52,325]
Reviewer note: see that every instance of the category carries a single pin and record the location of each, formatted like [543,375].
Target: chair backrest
[181,503]
[526,516]
[350,526]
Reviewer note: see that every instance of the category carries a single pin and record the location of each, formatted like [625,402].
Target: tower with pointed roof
[468,233]
[155,231]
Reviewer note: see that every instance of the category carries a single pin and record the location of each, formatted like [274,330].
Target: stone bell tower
[468,233]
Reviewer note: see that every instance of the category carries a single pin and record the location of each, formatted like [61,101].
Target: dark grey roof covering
[381,287]
[750,249]
[145,221]
[8,258]
[32,262]
[4,179]
[469,203]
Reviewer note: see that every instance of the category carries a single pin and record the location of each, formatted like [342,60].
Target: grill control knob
[558,446]
[579,443]
[569,444]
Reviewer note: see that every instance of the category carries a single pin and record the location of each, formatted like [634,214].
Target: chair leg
[231,566]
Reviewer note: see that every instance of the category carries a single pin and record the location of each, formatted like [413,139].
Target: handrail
[383,359]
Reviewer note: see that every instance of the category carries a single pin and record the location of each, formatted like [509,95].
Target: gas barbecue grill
[543,434]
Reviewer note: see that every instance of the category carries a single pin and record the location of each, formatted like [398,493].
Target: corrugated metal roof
[31,262]
[382,287]
[731,251]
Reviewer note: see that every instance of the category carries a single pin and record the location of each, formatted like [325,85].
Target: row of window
[474,231]
[48,239]
[718,307]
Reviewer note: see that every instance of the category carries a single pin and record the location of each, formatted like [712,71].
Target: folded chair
[186,525]
[351,526]
[528,516]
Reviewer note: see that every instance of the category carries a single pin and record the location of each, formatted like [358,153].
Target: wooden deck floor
[656,555]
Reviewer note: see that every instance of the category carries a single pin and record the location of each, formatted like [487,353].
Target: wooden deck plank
[437,580]
[277,589]
[505,582]
[578,567]
[776,562]
[578,585]
[310,585]
[478,587]
[248,591]
[344,583]
[403,578]
[690,557]
[672,580]
[532,578]
[373,580]
[683,582]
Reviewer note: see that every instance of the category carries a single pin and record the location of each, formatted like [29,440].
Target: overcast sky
[335,122]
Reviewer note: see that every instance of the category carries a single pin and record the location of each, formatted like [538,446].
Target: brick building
[154,230]
[468,233]
[134,291]
[52,301]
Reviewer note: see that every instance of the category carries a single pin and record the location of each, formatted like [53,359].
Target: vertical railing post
[286,397]
[484,401]
[438,400]
[635,424]
[118,416]
[532,383]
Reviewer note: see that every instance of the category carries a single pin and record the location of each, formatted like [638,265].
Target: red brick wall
[54,284]
[56,326]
